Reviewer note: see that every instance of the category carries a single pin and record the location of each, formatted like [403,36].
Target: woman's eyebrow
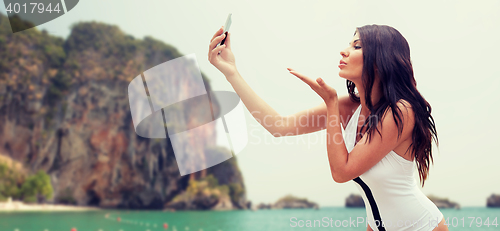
[354,41]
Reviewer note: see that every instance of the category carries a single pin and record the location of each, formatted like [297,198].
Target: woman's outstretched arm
[305,121]
[302,122]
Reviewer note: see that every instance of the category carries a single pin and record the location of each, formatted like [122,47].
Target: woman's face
[351,64]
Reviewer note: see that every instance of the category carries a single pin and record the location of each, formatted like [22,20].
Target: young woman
[387,137]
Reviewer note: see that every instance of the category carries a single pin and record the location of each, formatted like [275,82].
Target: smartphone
[226,28]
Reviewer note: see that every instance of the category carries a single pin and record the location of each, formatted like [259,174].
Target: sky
[454,53]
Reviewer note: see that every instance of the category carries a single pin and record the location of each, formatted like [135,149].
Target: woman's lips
[342,64]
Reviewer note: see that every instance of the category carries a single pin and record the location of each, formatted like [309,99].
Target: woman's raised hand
[224,61]
[327,93]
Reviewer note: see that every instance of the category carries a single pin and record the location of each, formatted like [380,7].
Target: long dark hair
[386,53]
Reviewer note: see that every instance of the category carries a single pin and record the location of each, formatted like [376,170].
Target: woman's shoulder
[405,113]
[402,103]
[406,108]
[349,104]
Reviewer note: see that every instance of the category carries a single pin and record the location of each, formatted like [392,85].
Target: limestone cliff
[64,109]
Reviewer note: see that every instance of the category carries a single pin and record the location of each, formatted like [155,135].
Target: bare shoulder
[407,111]
[347,103]
[404,106]
[407,116]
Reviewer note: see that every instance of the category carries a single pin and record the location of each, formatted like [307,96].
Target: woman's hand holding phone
[223,61]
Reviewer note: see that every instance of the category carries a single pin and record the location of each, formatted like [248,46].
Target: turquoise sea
[327,218]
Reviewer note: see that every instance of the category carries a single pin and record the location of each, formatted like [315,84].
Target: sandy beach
[20,206]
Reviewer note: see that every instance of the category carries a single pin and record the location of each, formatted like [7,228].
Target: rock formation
[292,202]
[354,201]
[64,109]
[443,203]
[493,201]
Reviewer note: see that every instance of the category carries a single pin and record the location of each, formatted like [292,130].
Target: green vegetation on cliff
[10,182]
[37,187]
[203,194]
[34,188]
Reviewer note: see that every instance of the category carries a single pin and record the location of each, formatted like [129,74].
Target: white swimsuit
[390,192]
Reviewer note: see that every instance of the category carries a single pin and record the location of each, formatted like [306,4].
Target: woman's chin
[341,75]
[348,77]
